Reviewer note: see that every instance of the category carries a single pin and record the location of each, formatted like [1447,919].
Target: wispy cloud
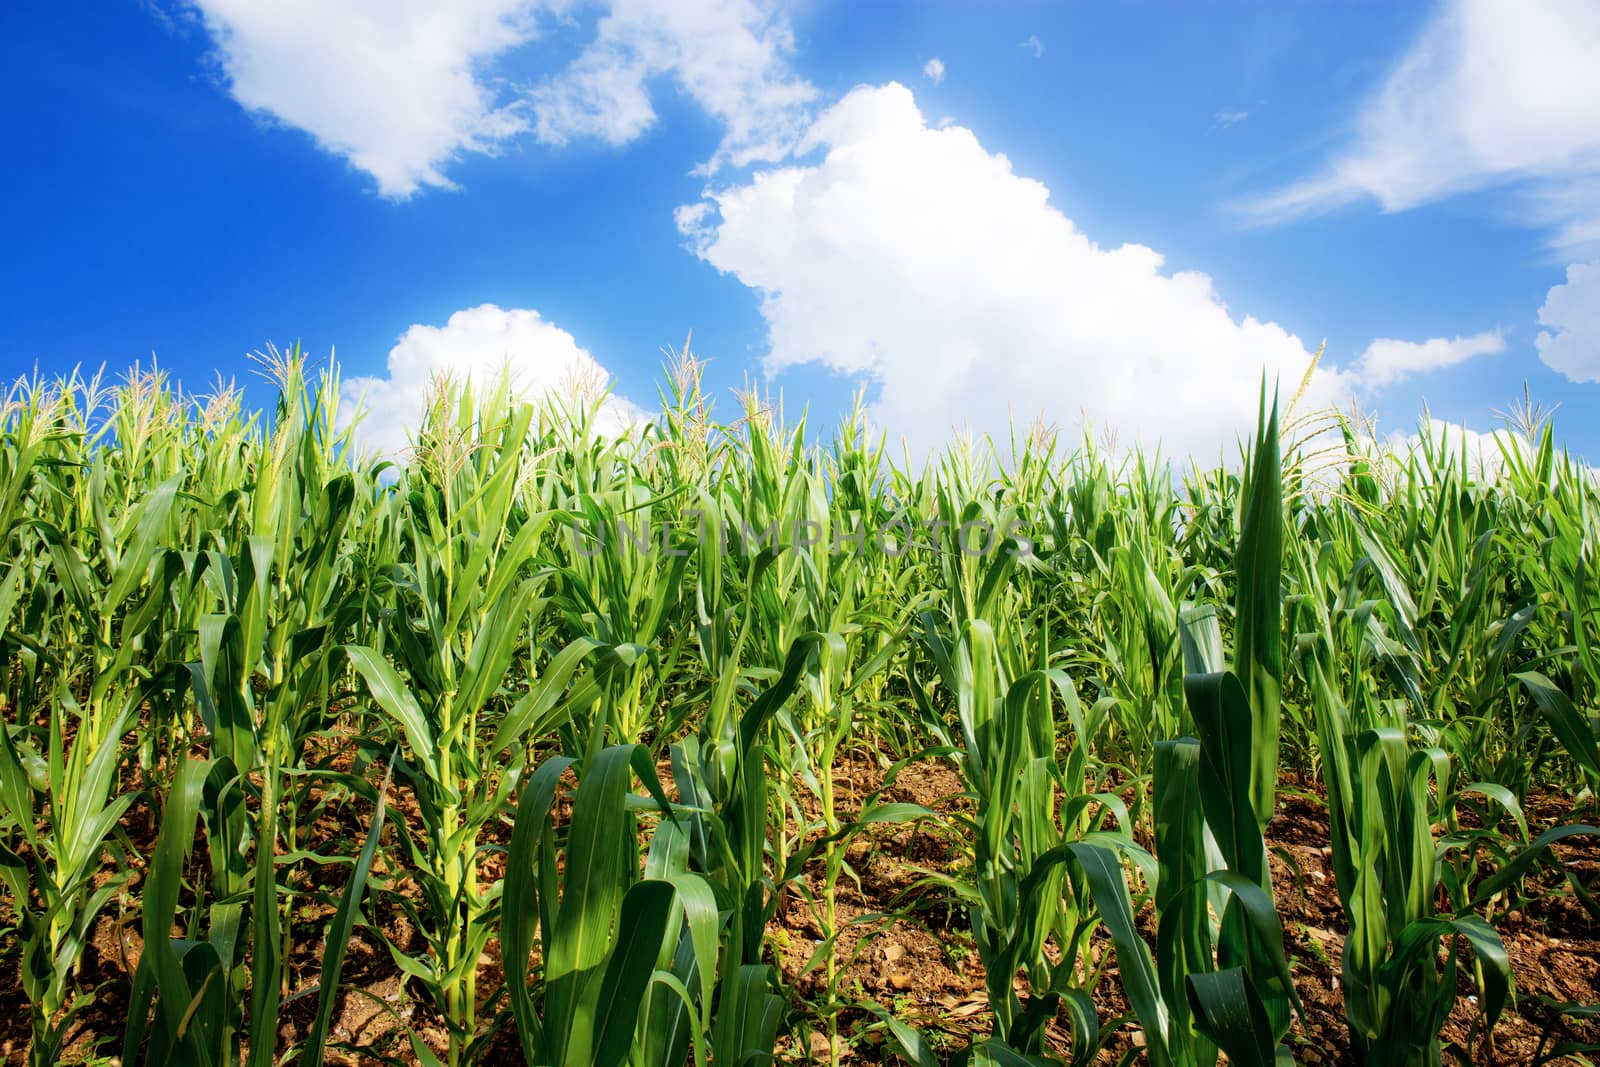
[1387,361]
[1231,118]
[402,88]
[1033,44]
[730,56]
[934,70]
[1491,94]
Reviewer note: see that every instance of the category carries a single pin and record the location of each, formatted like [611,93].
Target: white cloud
[1033,44]
[1230,118]
[730,56]
[1386,361]
[477,344]
[934,69]
[1572,311]
[400,87]
[393,86]
[917,259]
[1492,93]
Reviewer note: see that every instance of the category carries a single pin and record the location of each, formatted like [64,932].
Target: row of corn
[570,708]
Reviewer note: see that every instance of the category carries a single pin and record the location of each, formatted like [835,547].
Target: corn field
[553,747]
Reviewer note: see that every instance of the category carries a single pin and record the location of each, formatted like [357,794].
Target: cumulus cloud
[934,70]
[918,260]
[476,345]
[1572,311]
[1033,44]
[730,56]
[396,87]
[1492,93]
[1387,361]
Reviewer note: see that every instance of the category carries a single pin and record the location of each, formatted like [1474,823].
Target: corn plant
[601,928]
[1379,794]
[1388,796]
[217,625]
[1223,985]
[186,978]
[98,576]
[1029,812]
[622,584]
[284,600]
[727,830]
[466,592]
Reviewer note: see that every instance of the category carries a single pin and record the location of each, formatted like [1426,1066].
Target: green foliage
[271,698]
[1225,984]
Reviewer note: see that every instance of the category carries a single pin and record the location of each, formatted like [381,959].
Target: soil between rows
[904,946]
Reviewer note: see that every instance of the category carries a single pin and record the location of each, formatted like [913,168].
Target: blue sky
[1124,211]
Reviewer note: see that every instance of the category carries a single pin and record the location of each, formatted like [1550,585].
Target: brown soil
[1555,952]
[921,965]
[903,945]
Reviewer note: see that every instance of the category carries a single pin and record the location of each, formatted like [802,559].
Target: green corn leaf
[145,527]
[1180,846]
[397,700]
[425,1055]
[520,904]
[16,791]
[1223,719]
[1415,947]
[1258,613]
[993,1053]
[747,1017]
[1200,636]
[169,981]
[1228,1010]
[908,1042]
[548,699]
[1103,870]
[594,883]
[642,923]
[1514,869]
[494,643]
[1565,722]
